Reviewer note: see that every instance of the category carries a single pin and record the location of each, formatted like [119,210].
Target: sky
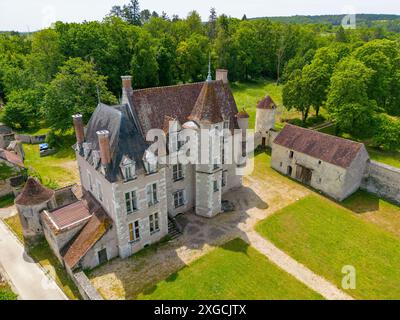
[31,15]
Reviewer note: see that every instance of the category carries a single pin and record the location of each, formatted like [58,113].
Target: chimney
[126,88]
[222,74]
[79,129]
[104,145]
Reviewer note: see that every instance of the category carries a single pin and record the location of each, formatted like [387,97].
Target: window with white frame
[154,223]
[179,198]
[90,181]
[152,194]
[134,231]
[99,191]
[177,172]
[131,202]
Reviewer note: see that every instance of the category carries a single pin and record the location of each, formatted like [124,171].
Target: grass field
[373,209]
[5,291]
[233,271]
[59,169]
[326,237]
[42,254]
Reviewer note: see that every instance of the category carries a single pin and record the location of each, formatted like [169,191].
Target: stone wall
[382,180]
[25,138]
[86,289]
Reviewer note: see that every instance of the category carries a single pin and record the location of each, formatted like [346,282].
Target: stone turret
[265,120]
[33,199]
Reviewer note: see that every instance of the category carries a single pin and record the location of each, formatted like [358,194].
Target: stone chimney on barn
[104,145]
[79,129]
[126,89]
[222,74]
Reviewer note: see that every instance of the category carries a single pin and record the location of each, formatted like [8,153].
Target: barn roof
[33,193]
[334,150]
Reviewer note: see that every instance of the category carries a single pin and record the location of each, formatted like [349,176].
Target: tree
[22,110]
[212,24]
[387,136]
[144,62]
[294,97]
[46,55]
[341,35]
[348,102]
[145,16]
[74,90]
[129,12]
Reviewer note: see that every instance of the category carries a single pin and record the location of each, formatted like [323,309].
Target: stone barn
[327,163]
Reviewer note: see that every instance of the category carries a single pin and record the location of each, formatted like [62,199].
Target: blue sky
[24,15]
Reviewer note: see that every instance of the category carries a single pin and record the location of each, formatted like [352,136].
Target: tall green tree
[74,90]
[348,101]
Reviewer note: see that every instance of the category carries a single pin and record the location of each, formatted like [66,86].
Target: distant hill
[366,19]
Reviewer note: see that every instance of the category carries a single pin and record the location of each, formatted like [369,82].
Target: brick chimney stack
[222,74]
[104,145]
[126,88]
[79,129]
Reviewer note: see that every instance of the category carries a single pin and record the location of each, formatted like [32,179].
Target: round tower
[30,202]
[265,119]
[243,119]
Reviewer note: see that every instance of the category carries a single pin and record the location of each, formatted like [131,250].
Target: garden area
[6,292]
[325,237]
[233,271]
[42,254]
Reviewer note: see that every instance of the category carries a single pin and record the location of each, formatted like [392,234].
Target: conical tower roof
[33,193]
[206,109]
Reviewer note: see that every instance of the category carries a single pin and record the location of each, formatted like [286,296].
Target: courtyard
[161,271]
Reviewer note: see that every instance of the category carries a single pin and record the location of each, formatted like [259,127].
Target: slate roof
[266,103]
[206,108]
[242,114]
[33,193]
[125,137]
[152,105]
[334,150]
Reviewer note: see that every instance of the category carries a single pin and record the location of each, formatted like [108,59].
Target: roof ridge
[174,85]
[326,134]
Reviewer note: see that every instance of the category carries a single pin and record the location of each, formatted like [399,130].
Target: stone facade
[332,180]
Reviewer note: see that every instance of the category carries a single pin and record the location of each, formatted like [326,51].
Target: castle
[128,196]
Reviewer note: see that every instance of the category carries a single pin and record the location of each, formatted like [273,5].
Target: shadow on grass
[361,202]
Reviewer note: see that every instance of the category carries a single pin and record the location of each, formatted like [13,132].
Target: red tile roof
[206,109]
[11,157]
[67,217]
[92,232]
[334,150]
[152,105]
[34,193]
[266,103]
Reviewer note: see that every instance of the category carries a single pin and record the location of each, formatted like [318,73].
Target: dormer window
[128,167]
[86,149]
[150,162]
[96,158]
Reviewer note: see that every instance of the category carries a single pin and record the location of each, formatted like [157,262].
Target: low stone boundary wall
[25,138]
[86,289]
[382,180]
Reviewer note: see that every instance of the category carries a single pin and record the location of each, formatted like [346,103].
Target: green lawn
[43,255]
[6,293]
[326,237]
[373,209]
[233,271]
[59,169]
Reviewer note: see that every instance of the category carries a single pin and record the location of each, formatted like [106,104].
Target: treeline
[53,73]
[359,85]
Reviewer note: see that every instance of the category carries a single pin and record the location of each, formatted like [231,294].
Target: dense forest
[51,74]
